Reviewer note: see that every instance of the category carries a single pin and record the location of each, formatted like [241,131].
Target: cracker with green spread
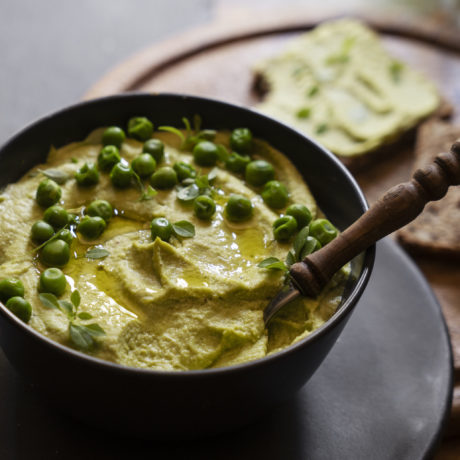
[339,85]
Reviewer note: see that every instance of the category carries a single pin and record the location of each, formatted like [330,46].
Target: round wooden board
[216,61]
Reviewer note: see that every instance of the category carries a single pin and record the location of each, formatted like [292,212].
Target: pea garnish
[184,171]
[161,227]
[144,164]
[11,287]
[91,227]
[101,208]
[323,231]
[259,172]
[56,253]
[275,194]
[113,135]
[20,307]
[52,280]
[164,178]
[108,157]
[156,148]
[140,128]
[87,175]
[301,214]
[56,216]
[41,231]
[204,207]
[205,153]
[237,163]
[48,193]
[284,228]
[121,175]
[241,140]
[238,208]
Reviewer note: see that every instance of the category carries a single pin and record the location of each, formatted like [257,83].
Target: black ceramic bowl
[190,403]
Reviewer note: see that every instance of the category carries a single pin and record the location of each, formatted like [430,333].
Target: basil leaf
[184,229]
[171,129]
[299,241]
[85,315]
[75,298]
[60,177]
[80,337]
[97,253]
[308,247]
[49,300]
[66,307]
[188,193]
[94,329]
[290,259]
[272,263]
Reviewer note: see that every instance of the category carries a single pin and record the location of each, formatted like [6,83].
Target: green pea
[206,153]
[52,280]
[56,216]
[275,194]
[91,227]
[184,171]
[156,148]
[20,307]
[65,235]
[113,135]
[56,253]
[284,228]
[144,164]
[259,172]
[164,178]
[101,208]
[41,231]
[237,163]
[241,140]
[300,213]
[204,207]
[48,193]
[323,231]
[121,175]
[140,128]
[87,175]
[238,208]
[161,227]
[108,157]
[73,218]
[11,287]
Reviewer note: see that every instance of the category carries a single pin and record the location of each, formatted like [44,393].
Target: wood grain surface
[216,61]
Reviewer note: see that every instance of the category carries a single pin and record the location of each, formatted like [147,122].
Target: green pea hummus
[339,85]
[190,304]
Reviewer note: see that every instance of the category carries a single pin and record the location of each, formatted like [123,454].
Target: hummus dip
[191,303]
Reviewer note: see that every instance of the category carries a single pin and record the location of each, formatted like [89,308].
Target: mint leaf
[80,337]
[85,315]
[75,298]
[66,307]
[94,329]
[60,177]
[299,241]
[49,300]
[308,247]
[184,229]
[290,259]
[97,253]
[272,263]
[188,193]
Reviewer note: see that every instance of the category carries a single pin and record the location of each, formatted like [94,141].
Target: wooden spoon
[396,208]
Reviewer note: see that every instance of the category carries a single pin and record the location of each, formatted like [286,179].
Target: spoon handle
[396,208]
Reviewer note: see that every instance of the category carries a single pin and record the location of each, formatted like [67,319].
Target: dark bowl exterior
[177,404]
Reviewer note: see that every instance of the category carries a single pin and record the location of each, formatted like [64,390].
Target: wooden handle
[399,206]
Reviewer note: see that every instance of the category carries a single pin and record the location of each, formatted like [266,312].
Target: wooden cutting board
[216,61]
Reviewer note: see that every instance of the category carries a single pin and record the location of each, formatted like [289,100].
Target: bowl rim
[339,315]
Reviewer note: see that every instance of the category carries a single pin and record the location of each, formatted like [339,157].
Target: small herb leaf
[299,242]
[75,298]
[272,263]
[66,307]
[81,337]
[188,193]
[184,229]
[94,329]
[212,175]
[85,315]
[97,253]
[222,152]
[307,248]
[290,259]
[60,177]
[49,300]
[148,194]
